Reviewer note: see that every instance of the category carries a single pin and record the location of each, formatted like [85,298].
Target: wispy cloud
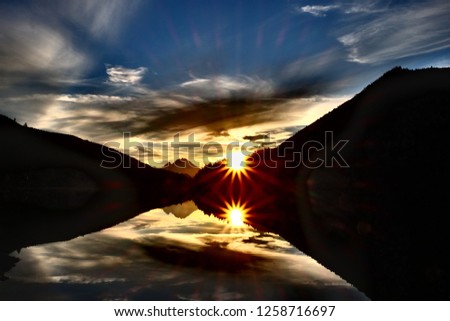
[73,98]
[317,10]
[400,32]
[220,87]
[125,76]
[365,6]
[33,52]
[101,18]
[311,66]
[348,7]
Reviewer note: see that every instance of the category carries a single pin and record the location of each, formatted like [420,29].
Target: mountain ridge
[365,221]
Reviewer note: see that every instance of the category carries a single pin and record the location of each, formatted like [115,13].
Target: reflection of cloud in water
[212,256]
[272,242]
[161,257]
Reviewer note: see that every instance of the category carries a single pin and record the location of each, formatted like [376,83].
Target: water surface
[157,256]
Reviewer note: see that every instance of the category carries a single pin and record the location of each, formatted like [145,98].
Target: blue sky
[98,68]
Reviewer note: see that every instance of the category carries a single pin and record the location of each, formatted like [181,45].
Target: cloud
[400,32]
[101,18]
[313,74]
[240,109]
[125,76]
[219,87]
[39,45]
[59,112]
[349,7]
[104,118]
[214,117]
[318,11]
[256,137]
[188,107]
[213,256]
[73,98]
[35,53]
[365,6]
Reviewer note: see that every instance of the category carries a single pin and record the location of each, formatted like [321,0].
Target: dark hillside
[363,190]
[53,187]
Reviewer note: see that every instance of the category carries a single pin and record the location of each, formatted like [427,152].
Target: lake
[158,256]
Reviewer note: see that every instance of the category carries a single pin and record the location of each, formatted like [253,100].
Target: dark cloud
[145,116]
[221,132]
[291,129]
[256,137]
[215,116]
[217,244]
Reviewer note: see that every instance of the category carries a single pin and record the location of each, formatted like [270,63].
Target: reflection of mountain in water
[378,222]
[181,210]
[53,188]
[182,166]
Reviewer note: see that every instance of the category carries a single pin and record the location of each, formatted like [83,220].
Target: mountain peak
[183,166]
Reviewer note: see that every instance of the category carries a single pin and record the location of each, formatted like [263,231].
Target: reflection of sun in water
[236,217]
[236,213]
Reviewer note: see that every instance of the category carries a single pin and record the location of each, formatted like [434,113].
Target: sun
[236,217]
[236,161]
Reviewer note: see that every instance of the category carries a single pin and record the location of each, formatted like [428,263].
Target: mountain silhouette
[54,187]
[363,190]
[182,166]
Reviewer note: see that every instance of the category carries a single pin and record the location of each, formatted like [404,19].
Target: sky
[221,70]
